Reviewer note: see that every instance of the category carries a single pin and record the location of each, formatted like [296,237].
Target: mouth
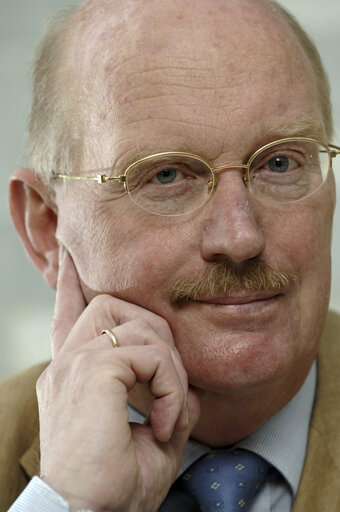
[241,299]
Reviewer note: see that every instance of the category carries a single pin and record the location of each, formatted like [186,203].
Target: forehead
[190,73]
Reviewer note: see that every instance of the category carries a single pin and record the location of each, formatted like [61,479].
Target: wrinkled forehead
[144,65]
[117,36]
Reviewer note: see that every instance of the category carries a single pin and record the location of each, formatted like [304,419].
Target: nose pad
[212,182]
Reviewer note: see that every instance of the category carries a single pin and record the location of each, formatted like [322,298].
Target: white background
[26,302]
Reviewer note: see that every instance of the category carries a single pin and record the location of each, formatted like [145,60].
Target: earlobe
[35,218]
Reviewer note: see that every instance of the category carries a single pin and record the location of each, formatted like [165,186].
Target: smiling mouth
[241,299]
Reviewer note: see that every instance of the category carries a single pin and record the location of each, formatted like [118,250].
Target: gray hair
[314,58]
[51,143]
[54,135]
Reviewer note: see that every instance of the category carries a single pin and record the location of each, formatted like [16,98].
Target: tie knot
[225,480]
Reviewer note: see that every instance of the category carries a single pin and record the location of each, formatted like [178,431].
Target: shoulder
[19,390]
[329,353]
[19,409]
[320,479]
[331,332]
[326,415]
[19,427]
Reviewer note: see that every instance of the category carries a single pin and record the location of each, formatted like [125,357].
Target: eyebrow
[307,126]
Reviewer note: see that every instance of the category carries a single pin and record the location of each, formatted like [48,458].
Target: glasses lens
[170,184]
[289,171]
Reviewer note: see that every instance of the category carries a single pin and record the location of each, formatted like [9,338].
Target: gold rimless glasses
[174,183]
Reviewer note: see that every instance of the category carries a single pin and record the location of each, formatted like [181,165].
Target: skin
[244,355]
[255,344]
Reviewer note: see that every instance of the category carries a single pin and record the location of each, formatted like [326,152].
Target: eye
[281,164]
[167,175]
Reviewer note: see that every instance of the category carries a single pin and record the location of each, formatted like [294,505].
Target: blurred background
[26,302]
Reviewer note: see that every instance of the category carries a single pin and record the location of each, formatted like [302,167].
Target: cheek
[121,255]
[97,244]
[300,235]
[303,242]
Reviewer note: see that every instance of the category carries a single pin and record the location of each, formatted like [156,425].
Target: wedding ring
[112,337]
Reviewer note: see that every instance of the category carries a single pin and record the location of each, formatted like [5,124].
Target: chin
[243,362]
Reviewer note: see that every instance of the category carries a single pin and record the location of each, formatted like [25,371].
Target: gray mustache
[223,278]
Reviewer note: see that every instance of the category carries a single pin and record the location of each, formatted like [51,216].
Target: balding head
[104,54]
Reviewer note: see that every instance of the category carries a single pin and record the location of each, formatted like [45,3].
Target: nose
[231,226]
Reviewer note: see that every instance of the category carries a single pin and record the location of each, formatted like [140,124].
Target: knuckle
[144,325]
[41,380]
[152,329]
[163,326]
[81,361]
[162,352]
[45,379]
[100,301]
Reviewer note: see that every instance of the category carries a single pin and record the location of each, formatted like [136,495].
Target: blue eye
[279,164]
[166,175]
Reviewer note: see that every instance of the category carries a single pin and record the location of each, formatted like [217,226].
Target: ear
[35,218]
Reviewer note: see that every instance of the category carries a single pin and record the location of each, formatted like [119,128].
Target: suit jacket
[319,489]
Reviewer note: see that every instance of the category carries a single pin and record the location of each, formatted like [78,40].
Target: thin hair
[313,55]
[52,129]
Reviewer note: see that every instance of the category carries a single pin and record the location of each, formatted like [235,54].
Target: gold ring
[112,337]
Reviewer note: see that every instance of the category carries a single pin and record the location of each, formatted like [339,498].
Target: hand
[90,454]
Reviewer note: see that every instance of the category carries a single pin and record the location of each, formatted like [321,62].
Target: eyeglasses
[175,183]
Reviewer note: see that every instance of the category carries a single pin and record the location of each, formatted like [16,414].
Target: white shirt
[282,441]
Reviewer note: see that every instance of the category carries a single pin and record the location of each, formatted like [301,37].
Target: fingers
[140,333]
[155,366]
[79,326]
[174,448]
[70,302]
[179,438]
[107,312]
[85,395]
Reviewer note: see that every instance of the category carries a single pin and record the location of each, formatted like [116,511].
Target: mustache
[224,278]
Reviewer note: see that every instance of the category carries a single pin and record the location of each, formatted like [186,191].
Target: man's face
[218,79]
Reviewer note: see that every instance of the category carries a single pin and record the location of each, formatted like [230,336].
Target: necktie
[224,480]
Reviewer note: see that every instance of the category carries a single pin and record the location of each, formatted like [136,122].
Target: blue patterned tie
[224,480]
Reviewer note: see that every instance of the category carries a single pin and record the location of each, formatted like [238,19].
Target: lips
[241,299]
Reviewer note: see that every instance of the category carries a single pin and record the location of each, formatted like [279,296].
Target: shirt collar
[282,440]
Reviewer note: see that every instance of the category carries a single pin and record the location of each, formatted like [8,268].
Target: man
[181,204]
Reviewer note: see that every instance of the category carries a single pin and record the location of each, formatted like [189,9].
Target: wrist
[75,502]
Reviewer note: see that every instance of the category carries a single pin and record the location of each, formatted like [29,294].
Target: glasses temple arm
[99,178]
